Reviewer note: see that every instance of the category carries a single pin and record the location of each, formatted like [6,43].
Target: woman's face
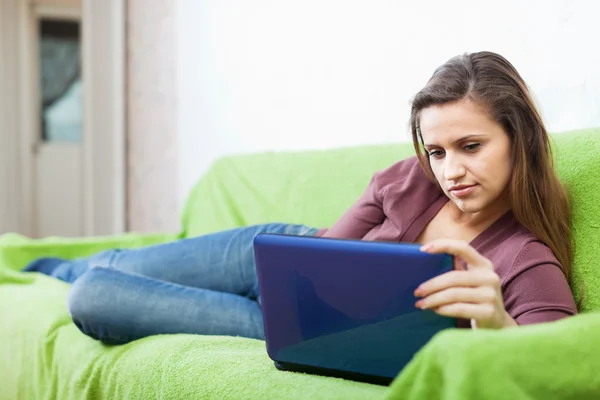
[469,154]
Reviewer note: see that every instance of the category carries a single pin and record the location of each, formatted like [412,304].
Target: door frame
[103,137]
[11,210]
[104,47]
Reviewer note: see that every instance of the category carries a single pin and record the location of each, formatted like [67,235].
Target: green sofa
[44,356]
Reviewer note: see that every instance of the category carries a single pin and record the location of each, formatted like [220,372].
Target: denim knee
[86,301]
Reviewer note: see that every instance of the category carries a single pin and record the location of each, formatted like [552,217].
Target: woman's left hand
[472,293]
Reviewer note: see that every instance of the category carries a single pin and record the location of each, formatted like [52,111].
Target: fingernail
[418,291]
[419,304]
[425,247]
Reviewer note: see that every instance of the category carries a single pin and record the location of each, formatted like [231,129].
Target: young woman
[482,187]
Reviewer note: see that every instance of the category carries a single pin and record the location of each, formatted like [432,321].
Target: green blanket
[551,361]
[43,355]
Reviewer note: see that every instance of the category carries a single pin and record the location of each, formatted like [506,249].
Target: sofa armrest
[556,360]
[17,251]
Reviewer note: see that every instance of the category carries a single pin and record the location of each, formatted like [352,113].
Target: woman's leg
[222,261]
[117,307]
[204,285]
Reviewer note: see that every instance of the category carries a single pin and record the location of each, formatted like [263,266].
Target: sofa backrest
[316,187]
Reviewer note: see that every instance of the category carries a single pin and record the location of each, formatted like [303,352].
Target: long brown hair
[538,199]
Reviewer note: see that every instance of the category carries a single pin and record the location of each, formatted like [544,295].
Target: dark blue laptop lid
[345,305]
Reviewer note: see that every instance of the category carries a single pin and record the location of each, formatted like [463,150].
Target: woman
[482,187]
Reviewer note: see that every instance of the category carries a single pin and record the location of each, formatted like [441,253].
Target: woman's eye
[472,147]
[435,153]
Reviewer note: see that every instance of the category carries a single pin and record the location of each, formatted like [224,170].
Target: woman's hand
[471,291]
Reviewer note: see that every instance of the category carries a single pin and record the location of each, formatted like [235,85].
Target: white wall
[295,74]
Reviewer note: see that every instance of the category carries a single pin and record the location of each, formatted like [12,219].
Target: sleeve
[536,290]
[361,217]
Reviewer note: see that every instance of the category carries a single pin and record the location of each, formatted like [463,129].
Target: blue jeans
[205,285]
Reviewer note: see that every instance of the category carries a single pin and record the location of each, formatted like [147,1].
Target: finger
[472,278]
[479,312]
[458,295]
[458,248]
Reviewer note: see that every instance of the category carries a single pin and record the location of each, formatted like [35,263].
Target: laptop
[345,308]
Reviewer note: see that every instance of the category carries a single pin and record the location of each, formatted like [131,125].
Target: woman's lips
[463,191]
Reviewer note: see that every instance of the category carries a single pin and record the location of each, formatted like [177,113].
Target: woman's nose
[453,168]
